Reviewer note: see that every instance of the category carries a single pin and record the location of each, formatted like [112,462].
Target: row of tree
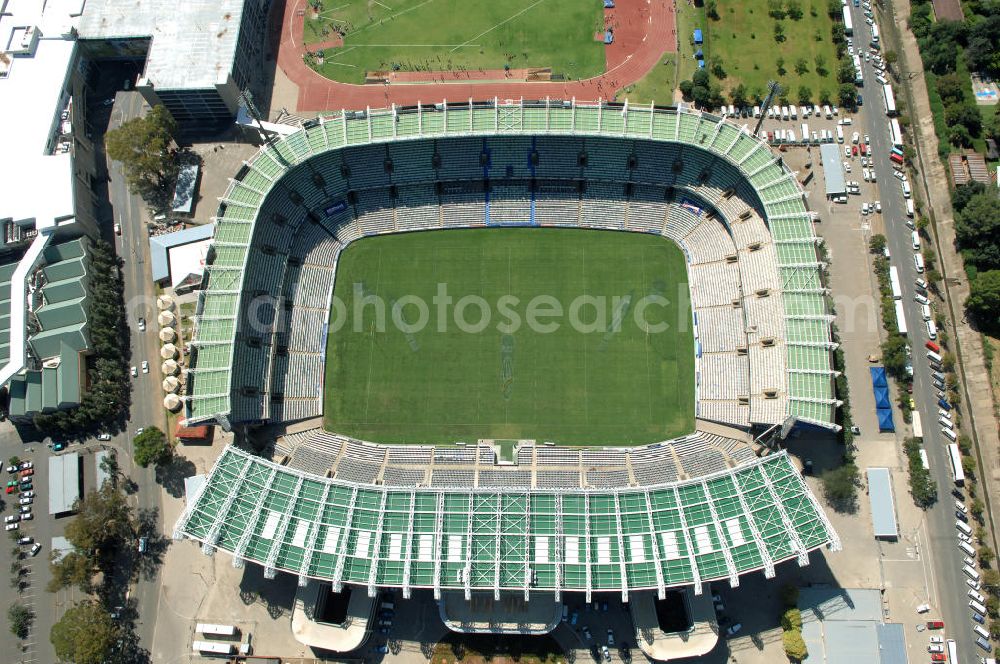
[977,233]
[107,394]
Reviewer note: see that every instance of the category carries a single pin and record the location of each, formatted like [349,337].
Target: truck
[848,21]
[897,291]
[895,134]
[900,318]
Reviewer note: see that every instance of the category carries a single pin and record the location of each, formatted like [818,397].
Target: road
[140,300]
[946,558]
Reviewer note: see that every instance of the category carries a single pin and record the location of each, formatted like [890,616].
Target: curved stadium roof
[686,532]
[229,382]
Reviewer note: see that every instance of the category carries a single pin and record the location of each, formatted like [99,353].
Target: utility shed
[833,170]
[64,482]
[882,504]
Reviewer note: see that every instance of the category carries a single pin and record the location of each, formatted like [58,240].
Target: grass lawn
[743,39]
[657,86]
[689,17]
[441,384]
[440,35]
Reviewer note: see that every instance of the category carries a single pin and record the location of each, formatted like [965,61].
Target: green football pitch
[562,335]
[446,35]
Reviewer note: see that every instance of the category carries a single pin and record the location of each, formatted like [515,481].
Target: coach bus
[918,429]
[952,651]
[890,100]
[897,291]
[955,457]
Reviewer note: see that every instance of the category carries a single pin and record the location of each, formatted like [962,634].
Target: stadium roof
[193,42]
[688,533]
[808,342]
[64,482]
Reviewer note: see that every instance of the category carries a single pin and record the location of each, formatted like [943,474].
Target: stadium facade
[684,512]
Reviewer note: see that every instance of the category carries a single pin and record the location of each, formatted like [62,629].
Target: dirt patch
[948,10]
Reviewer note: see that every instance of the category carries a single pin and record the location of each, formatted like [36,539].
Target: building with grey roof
[846,626]
[833,170]
[64,482]
[199,53]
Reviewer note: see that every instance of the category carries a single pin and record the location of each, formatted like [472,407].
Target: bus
[952,650]
[216,630]
[897,292]
[895,134]
[955,457]
[918,429]
[848,22]
[890,100]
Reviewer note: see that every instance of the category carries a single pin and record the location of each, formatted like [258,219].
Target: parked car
[12,526]
[935,624]
[24,541]
[134,372]
[27,516]
[12,518]
[28,494]
[58,447]
[734,629]
[36,548]
[145,367]
[27,472]
[142,324]
[25,509]
[25,465]
[104,436]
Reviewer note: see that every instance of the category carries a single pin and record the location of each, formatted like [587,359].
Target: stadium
[501,510]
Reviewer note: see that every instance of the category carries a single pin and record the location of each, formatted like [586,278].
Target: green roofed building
[58,336]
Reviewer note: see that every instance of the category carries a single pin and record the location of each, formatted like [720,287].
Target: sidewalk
[933,183]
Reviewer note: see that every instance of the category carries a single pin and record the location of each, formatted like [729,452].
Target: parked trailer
[848,21]
[216,630]
[895,133]
[890,100]
[213,647]
[900,319]
[897,291]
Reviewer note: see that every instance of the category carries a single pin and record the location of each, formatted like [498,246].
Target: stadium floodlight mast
[773,90]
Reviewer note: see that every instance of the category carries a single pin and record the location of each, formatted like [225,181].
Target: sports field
[448,35]
[616,367]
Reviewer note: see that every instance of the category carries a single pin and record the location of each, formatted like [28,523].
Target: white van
[967,548]
[975,595]
[756,112]
[915,240]
[931,330]
[925,311]
[962,526]
[827,112]
[906,188]
[794,113]
[732,111]
[909,207]
[978,629]
[979,608]
[960,506]
[945,423]
[933,357]
[840,134]
[784,113]
[918,261]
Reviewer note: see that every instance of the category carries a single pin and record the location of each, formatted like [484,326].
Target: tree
[795,646]
[986,555]
[995,629]
[840,485]
[992,606]
[20,618]
[73,569]
[984,298]
[775,9]
[847,96]
[779,66]
[977,508]
[151,447]
[700,77]
[779,32]
[701,96]
[805,94]
[686,87]
[712,10]
[801,66]
[739,96]
[833,8]
[959,136]
[85,634]
[966,115]
[715,64]
[103,520]
[820,63]
[991,580]
[791,619]
[794,10]
[877,244]
[144,147]
[978,230]
[894,355]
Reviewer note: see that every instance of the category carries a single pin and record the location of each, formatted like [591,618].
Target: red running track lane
[644,31]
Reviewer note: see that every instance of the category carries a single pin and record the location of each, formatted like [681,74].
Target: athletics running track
[644,30]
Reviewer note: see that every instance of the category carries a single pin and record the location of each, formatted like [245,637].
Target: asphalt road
[140,300]
[946,558]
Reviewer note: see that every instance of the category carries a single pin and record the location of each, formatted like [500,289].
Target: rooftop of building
[34,74]
[193,42]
